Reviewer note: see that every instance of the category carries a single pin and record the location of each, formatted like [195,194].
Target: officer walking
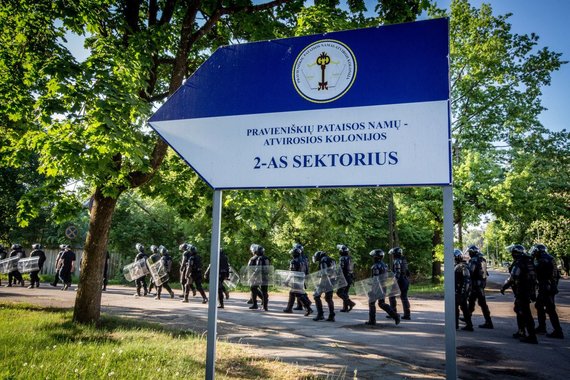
[58,265]
[261,271]
[167,264]
[224,274]
[325,265]
[522,280]
[298,265]
[379,273]
[305,262]
[34,277]
[193,272]
[347,267]
[401,273]
[67,265]
[478,269]
[185,249]
[141,281]
[547,277]
[106,272]
[3,255]
[462,290]
[154,257]
[15,276]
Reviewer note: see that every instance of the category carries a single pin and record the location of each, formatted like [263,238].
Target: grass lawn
[40,343]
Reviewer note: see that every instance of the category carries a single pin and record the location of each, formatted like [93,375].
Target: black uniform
[262,291]
[325,262]
[193,275]
[224,274]
[183,275]
[547,277]
[15,277]
[167,263]
[106,271]
[305,260]
[522,280]
[298,265]
[34,275]
[478,269]
[462,291]
[347,267]
[401,273]
[141,281]
[3,255]
[67,266]
[379,270]
[57,265]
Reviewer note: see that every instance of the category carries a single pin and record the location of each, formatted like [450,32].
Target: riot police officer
[522,280]
[34,278]
[305,262]
[401,273]
[262,263]
[67,267]
[154,257]
[462,290]
[297,265]
[223,274]
[106,272]
[15,276]
[325,265]
[379,272]
[167,264]
[547,277]
[3,255]
[478,268]
[185,249]
[347,267]
[58,265]
[141,281]
[192,271]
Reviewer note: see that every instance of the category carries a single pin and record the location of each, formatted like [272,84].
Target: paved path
[347,348]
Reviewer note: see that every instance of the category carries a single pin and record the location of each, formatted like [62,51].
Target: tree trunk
[436,264]
[393,229]
[88,299]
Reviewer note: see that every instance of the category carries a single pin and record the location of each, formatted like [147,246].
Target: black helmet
[538,249]
[36,246]
[299,247]
[295,252]
[318,256]
[16,246]
[163,251]
[139,247]
[458,255]
[396,251]
[377,253]
[257,249]
[153,248]
[516,249]
[342,249]
[473,251]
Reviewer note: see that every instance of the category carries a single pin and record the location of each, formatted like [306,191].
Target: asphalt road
[347,348]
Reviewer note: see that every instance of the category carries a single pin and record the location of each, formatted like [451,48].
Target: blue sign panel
[366,107]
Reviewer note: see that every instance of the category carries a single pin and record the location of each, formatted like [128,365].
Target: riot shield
[232,281]
[257,275]
[157,270]
[135,270]
[293,281]
[9,265]
[377,288]
[326,280]
[29,264]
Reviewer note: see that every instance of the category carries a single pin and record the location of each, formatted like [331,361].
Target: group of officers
[533,277]
[64,265]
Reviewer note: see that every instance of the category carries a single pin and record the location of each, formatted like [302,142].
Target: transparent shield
[326,280]
[29,264]
[232,281]
[9,265]
[291,280]
[157,271]
[135,270]
[257,275]
[377,287]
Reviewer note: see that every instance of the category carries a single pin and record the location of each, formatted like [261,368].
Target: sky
[549,19]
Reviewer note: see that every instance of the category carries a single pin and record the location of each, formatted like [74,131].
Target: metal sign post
[449,284]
